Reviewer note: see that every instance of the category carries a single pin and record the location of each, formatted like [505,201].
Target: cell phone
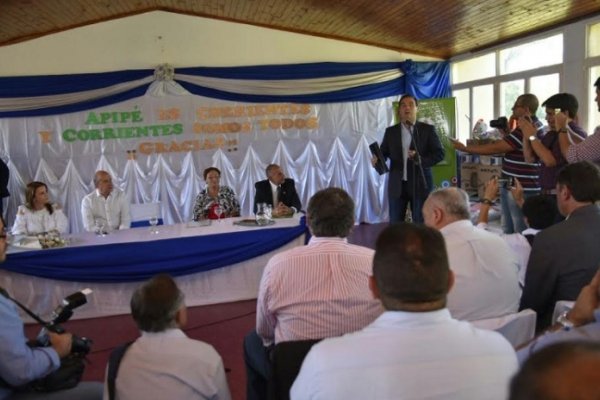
[507,182]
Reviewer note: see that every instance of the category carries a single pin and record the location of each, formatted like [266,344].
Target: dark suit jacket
[289,197]
[431,151]
[4,175]
[563,259]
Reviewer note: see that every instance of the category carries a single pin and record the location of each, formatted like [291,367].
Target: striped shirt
[316,291]
[514,164]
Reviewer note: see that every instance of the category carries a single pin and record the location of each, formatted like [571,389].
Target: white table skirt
[232,283]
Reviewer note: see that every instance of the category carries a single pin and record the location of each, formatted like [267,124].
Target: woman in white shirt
[38,215]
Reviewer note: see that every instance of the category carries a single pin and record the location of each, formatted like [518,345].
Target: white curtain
[334,153]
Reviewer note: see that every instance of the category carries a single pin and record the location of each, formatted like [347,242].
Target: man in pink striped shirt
[312,292]
[574,149]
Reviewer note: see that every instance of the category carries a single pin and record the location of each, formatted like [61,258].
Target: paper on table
[29,243]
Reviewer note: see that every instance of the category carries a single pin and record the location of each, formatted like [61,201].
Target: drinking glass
[153,221]
[262,217]
[218,211]
[99,228]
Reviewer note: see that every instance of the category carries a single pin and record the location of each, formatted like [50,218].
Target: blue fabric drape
[426,80]
[128,262]
[422,79]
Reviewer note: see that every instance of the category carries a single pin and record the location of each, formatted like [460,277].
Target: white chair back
[518,328]
[143,212]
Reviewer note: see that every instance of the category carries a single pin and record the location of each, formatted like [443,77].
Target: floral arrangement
[52,239]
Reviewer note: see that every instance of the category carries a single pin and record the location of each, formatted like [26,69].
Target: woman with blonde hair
[38,215]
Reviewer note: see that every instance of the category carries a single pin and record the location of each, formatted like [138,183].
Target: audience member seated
[107,207]
[163,363]
[312,292]
[539,212]
[21,364]
[415,349]
[563,371]
[215,201]
[38,215]
[564,257]
[486,269]
[277,191]
[582,322]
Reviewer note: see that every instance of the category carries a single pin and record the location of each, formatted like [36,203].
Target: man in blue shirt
[20,364]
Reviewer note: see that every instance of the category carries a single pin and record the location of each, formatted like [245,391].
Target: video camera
[62,313]
[500,123]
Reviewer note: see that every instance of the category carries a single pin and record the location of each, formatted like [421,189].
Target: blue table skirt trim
[129,262]
[138,224]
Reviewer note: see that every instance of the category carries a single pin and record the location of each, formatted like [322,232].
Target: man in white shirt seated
[415,349]
[164,363]
[106,208]
[486,269]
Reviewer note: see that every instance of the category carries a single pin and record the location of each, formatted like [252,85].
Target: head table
[218,263]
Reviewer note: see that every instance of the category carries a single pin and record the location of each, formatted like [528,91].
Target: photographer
[561,110]
[513,162]
[21,364]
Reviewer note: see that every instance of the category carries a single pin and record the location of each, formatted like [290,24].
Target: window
[543,87]
[463,118]
[532,67]
[509,91]
[593,49]
[593,112]
[483,104]
[474,68]
[536,54]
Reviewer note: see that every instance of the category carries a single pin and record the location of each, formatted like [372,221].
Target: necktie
[277,196]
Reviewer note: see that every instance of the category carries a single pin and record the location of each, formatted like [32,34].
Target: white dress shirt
[486,273]
[409,355]
[169,365]
[519,245]
[32,222]
[112,211]
[316,291]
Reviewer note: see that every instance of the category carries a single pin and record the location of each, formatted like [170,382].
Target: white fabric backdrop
[335,153]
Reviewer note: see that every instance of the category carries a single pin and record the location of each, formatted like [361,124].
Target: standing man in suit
[278,191]
[414,147]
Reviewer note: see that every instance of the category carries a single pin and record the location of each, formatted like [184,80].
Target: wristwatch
[564,321]
[533,138]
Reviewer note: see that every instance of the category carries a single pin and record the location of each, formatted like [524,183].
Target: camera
[500,123]
[507,182]
[62,313]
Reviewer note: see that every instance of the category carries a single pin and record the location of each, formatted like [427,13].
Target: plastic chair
[141,213]
[518,328]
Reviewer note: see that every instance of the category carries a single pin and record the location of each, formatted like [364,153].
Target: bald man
[106,206]
[486,269]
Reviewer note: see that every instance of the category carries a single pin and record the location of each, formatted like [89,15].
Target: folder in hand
[380,166]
